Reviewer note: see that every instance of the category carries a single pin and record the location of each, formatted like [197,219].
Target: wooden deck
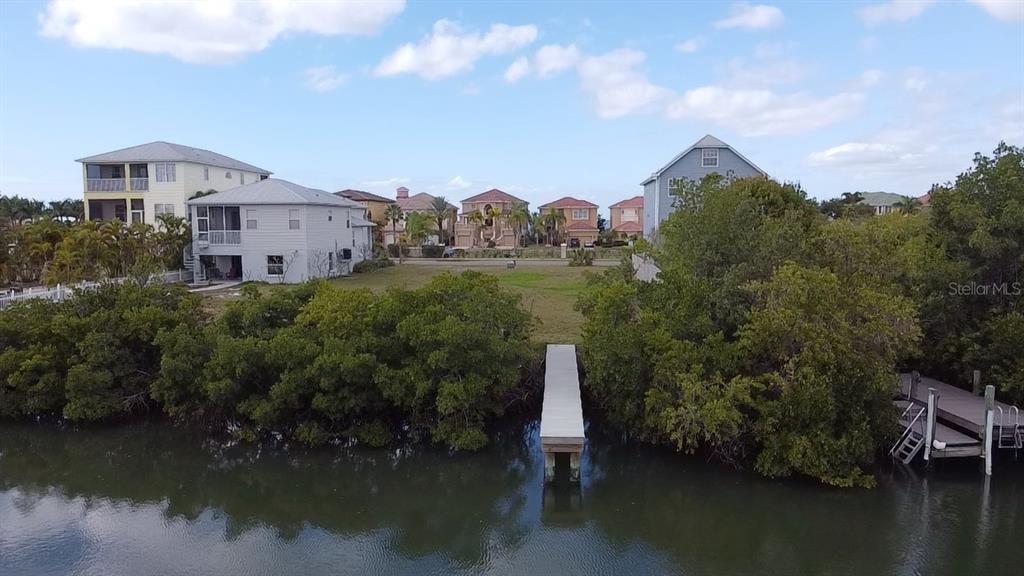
[956,406]
[561,420]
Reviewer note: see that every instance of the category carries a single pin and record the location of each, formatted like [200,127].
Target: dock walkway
[561,420]
[956,406]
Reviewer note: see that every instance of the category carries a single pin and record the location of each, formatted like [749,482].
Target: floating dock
[561,419]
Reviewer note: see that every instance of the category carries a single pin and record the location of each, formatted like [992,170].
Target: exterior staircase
[912,439]
[192,262]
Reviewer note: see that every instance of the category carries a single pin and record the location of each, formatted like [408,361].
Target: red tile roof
[418,203]
[360,196]
[569,202]
[631,226]
[580,225]
[925,200]
[495,195]
[634,202]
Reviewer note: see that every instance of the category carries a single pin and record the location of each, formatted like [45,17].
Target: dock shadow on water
[151,499]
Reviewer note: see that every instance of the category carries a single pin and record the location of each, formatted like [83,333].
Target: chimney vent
[402,192]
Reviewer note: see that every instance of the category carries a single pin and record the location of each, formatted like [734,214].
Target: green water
[150,499]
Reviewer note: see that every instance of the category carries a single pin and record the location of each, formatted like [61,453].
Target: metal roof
[274,191]
[362,196]
[167,152]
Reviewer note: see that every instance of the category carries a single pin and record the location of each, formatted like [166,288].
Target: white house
[136,184]
[276,231]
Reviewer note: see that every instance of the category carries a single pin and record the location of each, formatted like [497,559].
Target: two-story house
[580,220]
[709,155]
[627,217]
[137,184]
[483,220]
[423,203]
[375,205]
[882,202]
[276,231]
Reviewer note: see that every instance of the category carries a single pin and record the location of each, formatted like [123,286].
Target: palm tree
[477,220]
[518,218]
[441,211]
[495,215]
[418,226]
[908,206]
[393,213]
[553,221]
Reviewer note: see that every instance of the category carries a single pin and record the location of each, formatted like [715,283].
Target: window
[203,223]
[206,173]
[330,215]
[275,265]
[138,211]
[293,219]
[227,175]
[241,177]
[709,157]
[580,214]
[250,220]
[165,172]
[163,209]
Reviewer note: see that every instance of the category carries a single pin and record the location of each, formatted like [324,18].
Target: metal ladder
[1010,428]
[911,440]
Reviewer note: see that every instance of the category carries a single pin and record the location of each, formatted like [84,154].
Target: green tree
[441,212]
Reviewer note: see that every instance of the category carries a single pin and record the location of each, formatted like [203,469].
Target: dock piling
[986,444]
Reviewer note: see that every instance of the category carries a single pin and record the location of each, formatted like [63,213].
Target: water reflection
[152,499]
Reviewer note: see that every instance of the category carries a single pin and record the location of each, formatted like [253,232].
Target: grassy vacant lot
[548,291]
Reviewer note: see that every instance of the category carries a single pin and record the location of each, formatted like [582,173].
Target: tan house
[421,202]
[375,205]
[580,220]
[477,225]
[627,218]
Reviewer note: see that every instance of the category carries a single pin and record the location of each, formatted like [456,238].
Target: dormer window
[709,158]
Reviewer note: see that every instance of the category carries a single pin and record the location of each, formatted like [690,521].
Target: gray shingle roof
[881,198]
[708,141]
[360,222]
[274,191]
[167,152]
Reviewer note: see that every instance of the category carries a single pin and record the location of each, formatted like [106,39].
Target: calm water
[155,500]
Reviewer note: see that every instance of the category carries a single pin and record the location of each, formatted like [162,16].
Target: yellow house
[580,220]
[627,217]
[375,205]
[137,184]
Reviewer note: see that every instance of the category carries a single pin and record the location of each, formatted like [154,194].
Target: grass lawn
[548,292]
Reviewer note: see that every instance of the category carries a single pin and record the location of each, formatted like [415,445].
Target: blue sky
[540,100]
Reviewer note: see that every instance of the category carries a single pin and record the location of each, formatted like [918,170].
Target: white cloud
[893,11]
[385,182]
[206,32]
[690,46]
[1007,10]
[618,88]
[767,73]
[916,81]
[868,78]
[753,112]
[447,51]
[746,15]
[858,154]
[324,78]
[459,183]
[552,59]
[868,44]
[518,70]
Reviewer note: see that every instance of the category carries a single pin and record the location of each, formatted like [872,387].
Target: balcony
[221,237]
[139,184]
[104,184]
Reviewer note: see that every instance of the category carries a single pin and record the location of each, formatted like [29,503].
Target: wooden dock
[956,406]
[561,420]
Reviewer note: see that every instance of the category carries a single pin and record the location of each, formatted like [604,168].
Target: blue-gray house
[708,155]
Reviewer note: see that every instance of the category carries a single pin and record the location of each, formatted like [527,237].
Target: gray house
[708,155]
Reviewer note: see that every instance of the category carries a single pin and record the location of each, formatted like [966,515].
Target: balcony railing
[140,184]
[105,184]
[222,237]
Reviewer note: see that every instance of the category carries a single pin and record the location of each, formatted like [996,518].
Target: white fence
[645,268]
[60,292]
